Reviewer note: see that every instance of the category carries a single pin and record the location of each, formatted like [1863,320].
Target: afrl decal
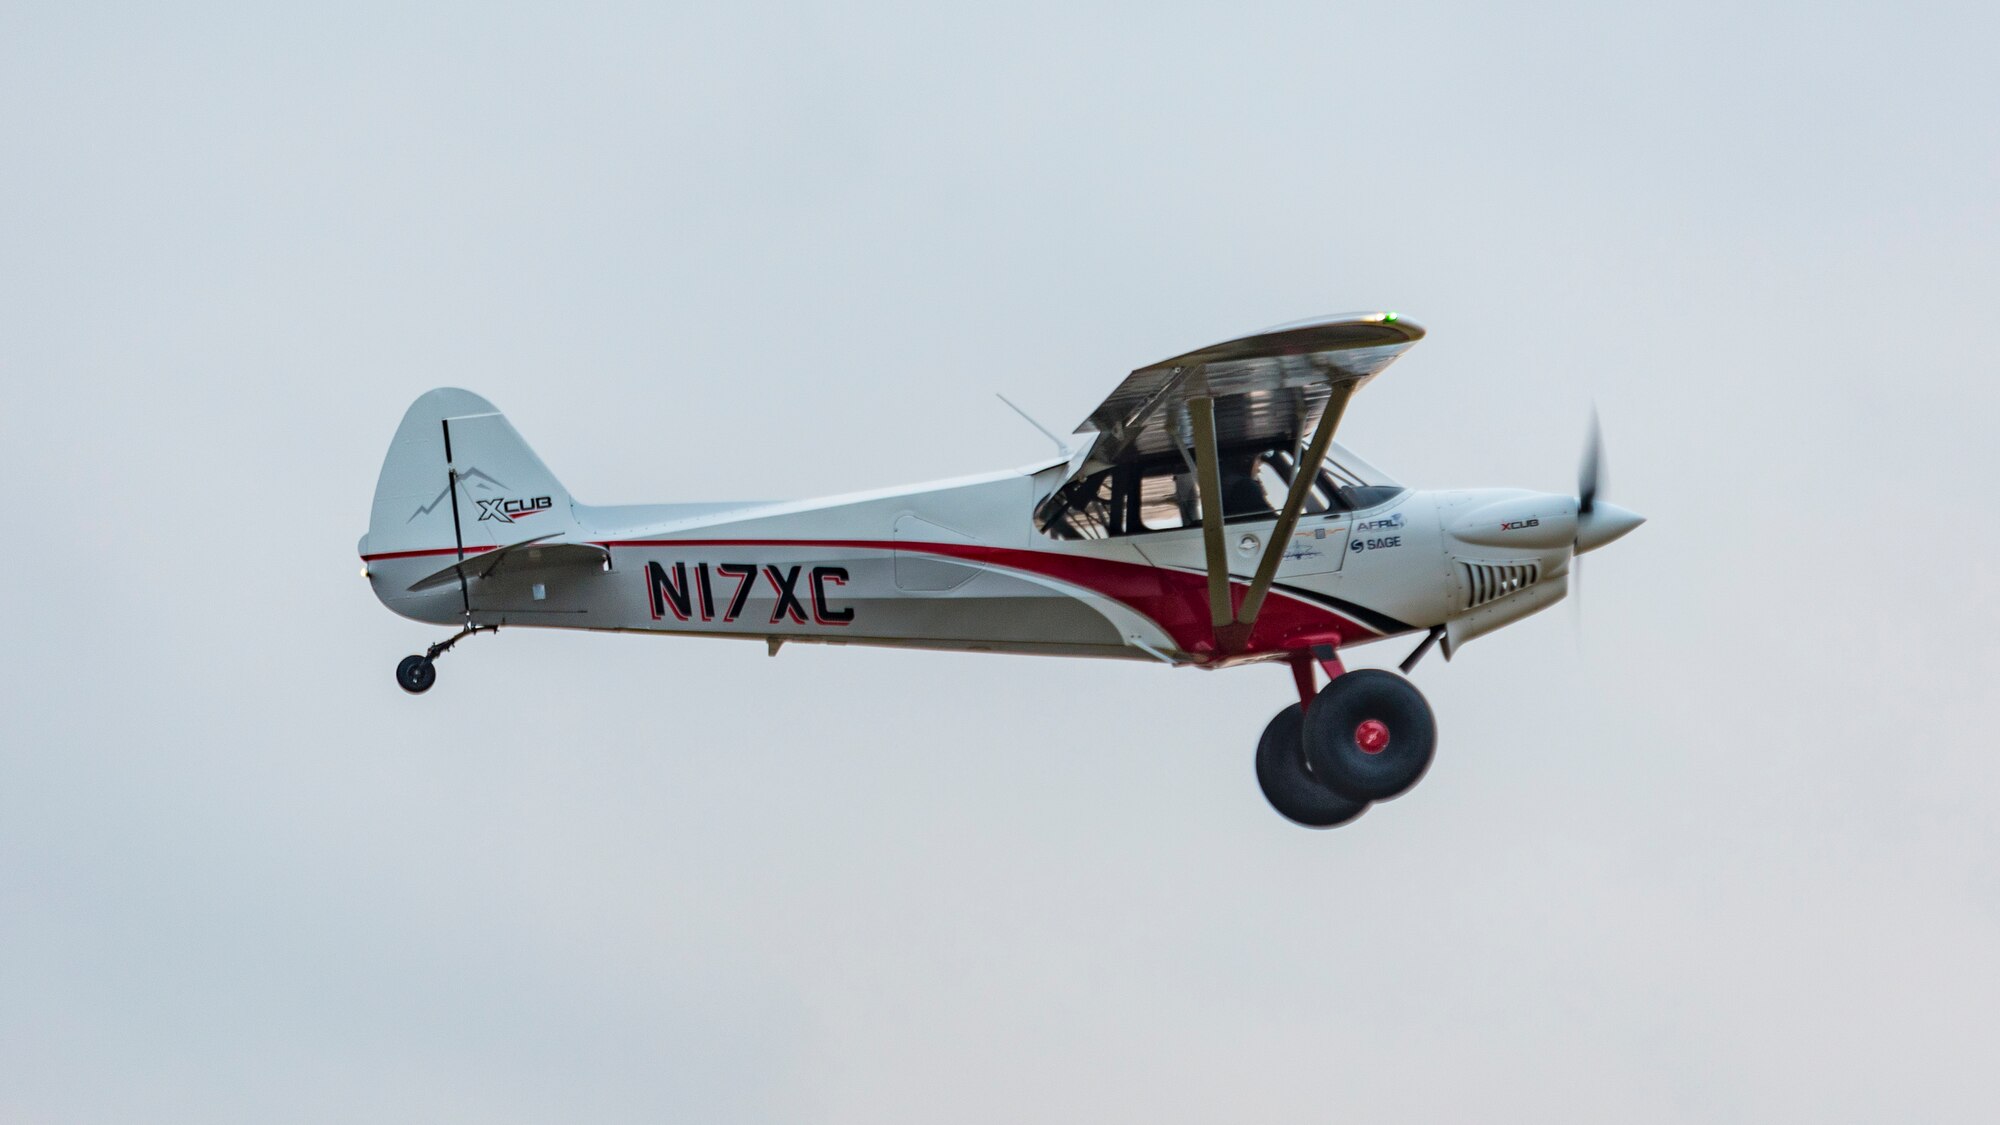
[507,511]
[686,593]
[1377,542]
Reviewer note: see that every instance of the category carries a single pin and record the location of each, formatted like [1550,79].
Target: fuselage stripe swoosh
[1171,599]
[1374,619]
[1175,601]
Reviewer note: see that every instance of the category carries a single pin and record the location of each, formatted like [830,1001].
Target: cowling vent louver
[1486,582]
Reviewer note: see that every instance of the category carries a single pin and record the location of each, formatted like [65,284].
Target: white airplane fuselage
[961,564]
[1202,515]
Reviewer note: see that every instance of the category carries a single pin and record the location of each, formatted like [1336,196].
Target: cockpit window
[1356,498]
[1162,495]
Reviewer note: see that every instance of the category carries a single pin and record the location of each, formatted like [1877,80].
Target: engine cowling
[1508,554]
[1527,521]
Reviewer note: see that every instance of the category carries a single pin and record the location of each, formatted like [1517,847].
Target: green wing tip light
[1389,318]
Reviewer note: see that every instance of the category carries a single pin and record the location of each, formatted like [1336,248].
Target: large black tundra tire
[1369,735]
[1289,784]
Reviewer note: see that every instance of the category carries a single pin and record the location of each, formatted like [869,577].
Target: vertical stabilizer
[458,474]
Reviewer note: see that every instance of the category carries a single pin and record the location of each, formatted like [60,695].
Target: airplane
[1105,550]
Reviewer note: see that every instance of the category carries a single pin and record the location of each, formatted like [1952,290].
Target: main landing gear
[416,674]
[1367,736]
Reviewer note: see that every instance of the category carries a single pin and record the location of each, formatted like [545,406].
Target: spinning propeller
[1587,472]
[1596,524]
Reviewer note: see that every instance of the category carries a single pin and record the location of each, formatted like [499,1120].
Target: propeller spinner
[1597,524]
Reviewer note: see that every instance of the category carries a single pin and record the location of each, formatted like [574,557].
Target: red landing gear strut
[1329,658]
[1302,669]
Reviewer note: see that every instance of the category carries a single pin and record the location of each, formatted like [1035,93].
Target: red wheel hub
[1372,736]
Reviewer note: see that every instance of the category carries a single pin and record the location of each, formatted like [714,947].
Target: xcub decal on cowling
[686,592]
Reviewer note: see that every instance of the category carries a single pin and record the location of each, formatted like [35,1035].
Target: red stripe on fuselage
[1175,600]
[425,554]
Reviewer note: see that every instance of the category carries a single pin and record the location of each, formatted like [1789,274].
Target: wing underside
[1267,388]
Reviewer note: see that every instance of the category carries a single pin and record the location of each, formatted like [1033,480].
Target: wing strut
[1304,473]
[1208,478]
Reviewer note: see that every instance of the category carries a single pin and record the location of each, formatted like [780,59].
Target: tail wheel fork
[416,674]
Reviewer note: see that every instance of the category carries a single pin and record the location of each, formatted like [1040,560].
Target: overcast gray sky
[1728,854]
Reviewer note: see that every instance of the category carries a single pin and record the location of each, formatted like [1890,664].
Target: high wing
[1269,388]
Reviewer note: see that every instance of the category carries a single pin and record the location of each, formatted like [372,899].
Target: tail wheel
[1370,735]
[1288,782]
[416,674]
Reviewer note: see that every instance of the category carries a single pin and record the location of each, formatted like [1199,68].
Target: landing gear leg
[1410,662]
[416,674]
[1302,676]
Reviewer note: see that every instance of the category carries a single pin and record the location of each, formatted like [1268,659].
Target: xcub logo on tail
[507,511]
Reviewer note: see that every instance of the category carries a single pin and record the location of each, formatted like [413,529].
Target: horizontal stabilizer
[528,554]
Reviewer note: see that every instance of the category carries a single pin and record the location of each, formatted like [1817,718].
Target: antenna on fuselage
[1060,443]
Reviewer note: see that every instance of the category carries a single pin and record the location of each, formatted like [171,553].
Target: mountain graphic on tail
[466,479]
